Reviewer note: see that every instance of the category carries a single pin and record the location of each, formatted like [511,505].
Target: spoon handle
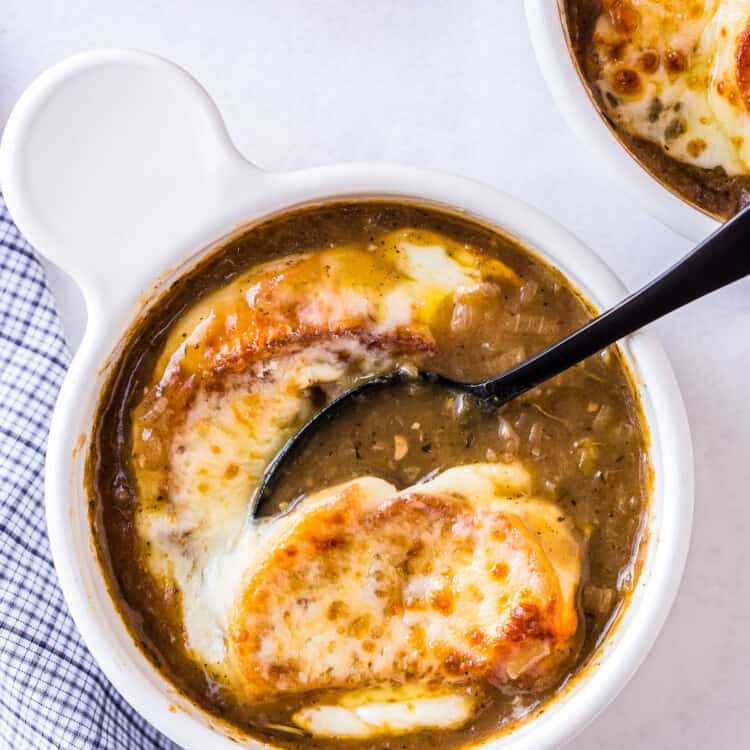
[721,259]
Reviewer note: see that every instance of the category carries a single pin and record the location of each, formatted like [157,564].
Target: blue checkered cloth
[52,694]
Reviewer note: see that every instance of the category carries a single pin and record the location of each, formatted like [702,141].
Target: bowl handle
[110,164]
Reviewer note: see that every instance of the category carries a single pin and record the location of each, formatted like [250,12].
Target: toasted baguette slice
[465,578]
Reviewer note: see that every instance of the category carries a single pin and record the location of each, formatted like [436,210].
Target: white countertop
[455,86]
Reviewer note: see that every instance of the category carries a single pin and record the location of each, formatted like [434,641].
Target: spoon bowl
[721,259]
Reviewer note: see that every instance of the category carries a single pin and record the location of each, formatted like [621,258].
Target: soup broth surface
[580,437]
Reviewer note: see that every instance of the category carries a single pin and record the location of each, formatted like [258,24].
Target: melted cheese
[232,384]
[677,74]
[462,579]
[200,539]
[368,713]
[383,287]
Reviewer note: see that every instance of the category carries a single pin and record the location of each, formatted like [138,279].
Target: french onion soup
[436,571]
[673,78]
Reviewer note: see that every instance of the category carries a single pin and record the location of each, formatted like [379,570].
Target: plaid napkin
[52,694]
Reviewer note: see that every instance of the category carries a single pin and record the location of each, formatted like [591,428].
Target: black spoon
[719,260]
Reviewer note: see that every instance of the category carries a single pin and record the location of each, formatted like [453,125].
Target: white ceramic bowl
[560,69]
[116,165]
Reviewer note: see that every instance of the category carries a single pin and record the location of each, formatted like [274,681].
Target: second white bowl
[570,92]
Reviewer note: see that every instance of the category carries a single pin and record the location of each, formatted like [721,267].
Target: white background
[455,86]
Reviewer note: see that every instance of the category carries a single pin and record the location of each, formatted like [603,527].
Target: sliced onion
[510,438]
[598,599]
[528,291]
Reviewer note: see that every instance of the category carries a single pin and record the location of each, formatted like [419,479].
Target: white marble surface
[454,85]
